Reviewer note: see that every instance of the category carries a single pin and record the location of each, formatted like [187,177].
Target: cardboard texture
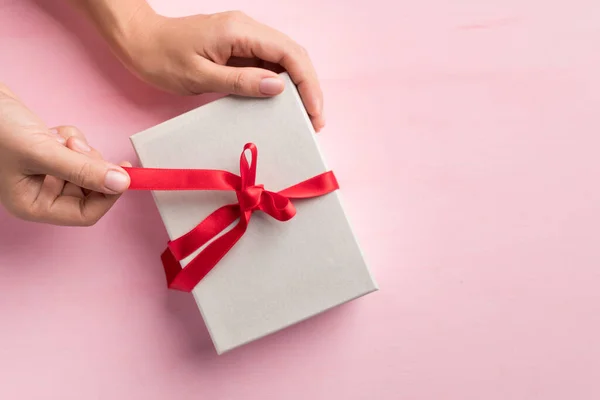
[279,273]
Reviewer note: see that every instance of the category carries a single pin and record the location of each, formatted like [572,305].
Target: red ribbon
[251,197]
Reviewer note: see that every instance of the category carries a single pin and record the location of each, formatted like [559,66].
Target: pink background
[475,196]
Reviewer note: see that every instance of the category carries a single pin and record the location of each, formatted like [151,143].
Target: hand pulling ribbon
[250,196]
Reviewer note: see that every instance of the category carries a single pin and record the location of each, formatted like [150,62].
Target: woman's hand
[52,175]
[226,53]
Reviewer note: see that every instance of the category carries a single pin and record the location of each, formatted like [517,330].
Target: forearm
[118,21]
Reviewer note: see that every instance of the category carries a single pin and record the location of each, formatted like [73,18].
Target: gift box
[293,259]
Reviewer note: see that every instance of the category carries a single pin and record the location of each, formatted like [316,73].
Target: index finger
[273,46]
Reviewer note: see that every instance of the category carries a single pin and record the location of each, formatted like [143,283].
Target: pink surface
[469,127]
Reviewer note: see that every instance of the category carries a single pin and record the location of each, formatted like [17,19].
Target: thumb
[86,172]
[248,81]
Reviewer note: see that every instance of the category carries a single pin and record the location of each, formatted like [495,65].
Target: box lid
[279,273]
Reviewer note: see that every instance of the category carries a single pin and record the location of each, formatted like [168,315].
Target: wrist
[132,34]
[125,25]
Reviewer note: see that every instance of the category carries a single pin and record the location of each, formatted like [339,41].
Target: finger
[273,46]
[70,189]
[79,169]
[68,131]
[50,188]
[74,211]
[58,138]
[247,81]
[81,146]
[77,142]
[318,121]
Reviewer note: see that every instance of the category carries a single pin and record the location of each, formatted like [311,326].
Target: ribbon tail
[206,230]
[187,278]
[316,186]
[171,265]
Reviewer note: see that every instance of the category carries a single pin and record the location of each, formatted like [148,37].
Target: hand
[52,176]
[226,53]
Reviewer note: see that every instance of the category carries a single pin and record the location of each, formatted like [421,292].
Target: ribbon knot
[250,198]
[212,231]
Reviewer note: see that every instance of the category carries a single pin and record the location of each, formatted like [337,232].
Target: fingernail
[80,145]
[271,86]
[116,181]
[59,138]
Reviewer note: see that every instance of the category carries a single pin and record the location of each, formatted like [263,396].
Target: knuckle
[89,218]
[301,51]
[89,221]
[82,176]
[69,130]
[193,85]
[237,81]
[86,218]
[296,53]
[241,43]
[231,20]
[36,211]
[235,15]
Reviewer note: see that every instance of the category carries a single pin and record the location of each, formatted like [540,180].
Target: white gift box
[279,273]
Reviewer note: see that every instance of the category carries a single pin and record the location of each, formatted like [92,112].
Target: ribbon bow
[251,197]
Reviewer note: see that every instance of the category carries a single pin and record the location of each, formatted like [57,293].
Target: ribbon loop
[248,168]
[212,231]
[277,206]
